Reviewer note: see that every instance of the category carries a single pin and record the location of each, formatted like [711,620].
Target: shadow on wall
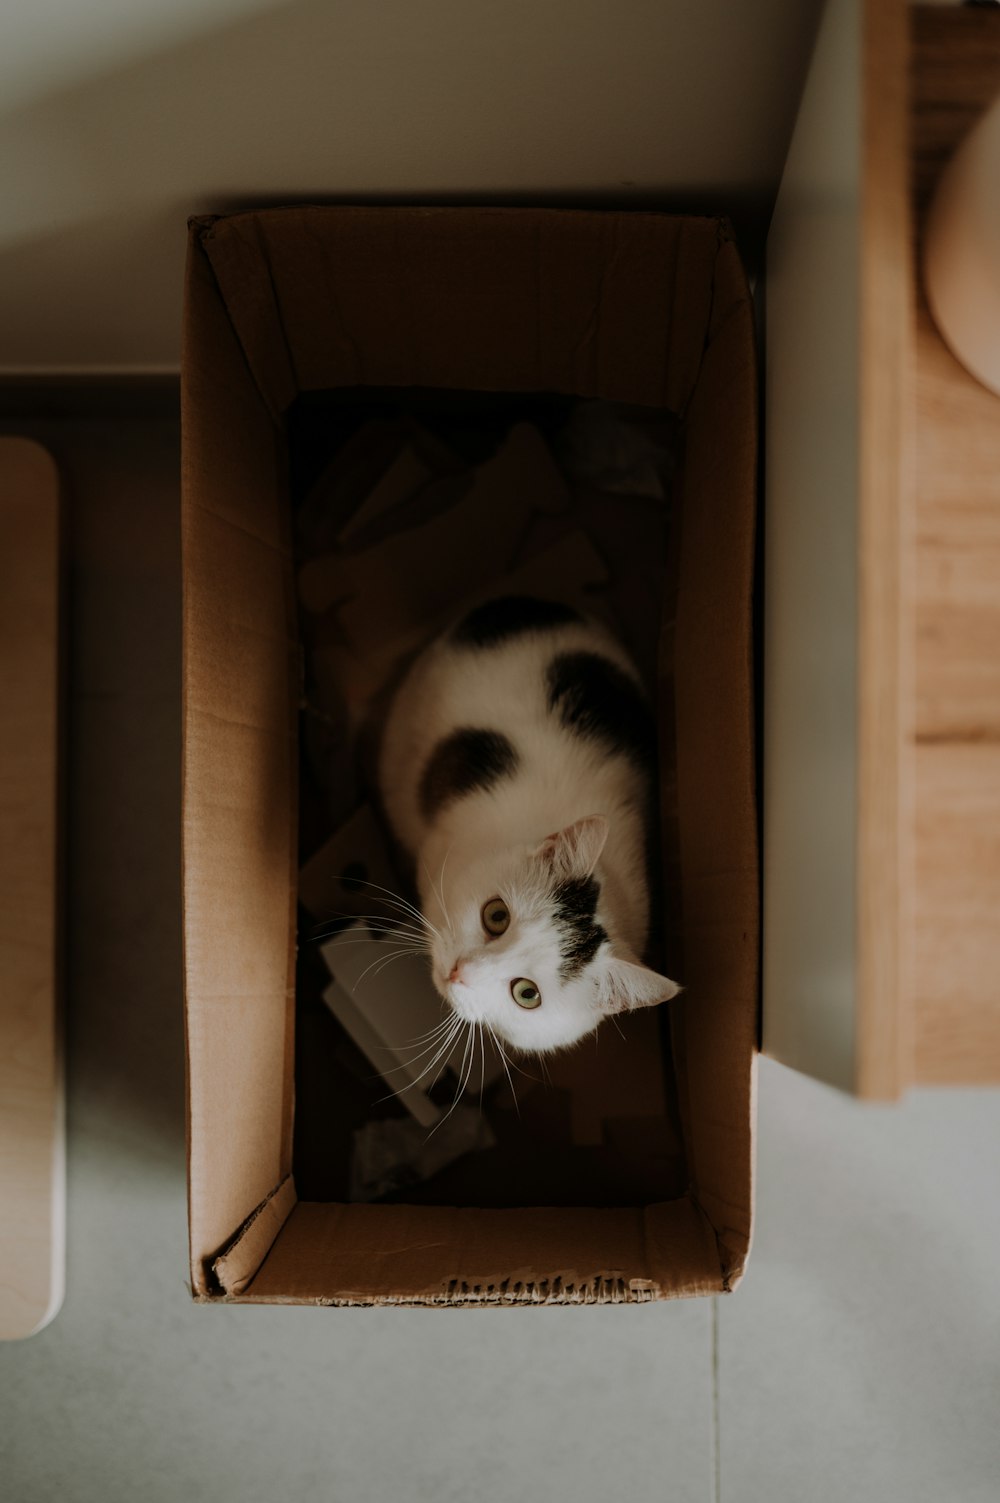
[124,1023]
[666,106]
[100,295]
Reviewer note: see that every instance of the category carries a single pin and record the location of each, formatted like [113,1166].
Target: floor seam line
[716,1435]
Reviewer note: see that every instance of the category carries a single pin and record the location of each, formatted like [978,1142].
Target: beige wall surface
[119,118]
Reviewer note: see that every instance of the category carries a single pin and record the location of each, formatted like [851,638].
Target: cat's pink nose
[456,973]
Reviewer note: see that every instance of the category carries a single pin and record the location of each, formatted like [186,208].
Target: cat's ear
[575,851]
[625,985]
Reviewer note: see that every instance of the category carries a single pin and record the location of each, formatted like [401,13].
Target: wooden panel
[957,970]
[955,68]
[956,74]
[31,1132]
[883,1050]
[958,557]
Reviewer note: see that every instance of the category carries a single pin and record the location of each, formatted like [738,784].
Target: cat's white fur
[571,809]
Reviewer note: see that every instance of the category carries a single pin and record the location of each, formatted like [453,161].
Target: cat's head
[520,945]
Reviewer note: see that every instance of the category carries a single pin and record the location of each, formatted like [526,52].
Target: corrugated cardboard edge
[240,266]
[734,1250]
[217,391]
[236,1267]
[337,1255]
[266,263]
[701,833]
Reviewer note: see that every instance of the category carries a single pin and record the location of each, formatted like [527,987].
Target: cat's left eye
[525,992]
[495,916]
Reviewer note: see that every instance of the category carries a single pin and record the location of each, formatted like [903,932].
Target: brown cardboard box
[636,308]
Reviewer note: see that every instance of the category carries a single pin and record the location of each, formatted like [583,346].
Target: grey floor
[860,1360]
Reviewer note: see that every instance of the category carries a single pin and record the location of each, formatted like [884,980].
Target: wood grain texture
[956,983]
[955,65]
[958,557]
[31,1149]
[956,1012]
[883,1042]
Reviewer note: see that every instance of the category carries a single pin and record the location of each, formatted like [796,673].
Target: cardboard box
[636,308]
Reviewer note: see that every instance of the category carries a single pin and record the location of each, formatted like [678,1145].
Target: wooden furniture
[955,73]
[882,581]
[32,1176]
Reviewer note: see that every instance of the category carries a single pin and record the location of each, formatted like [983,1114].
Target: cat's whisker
[503,1057]
[413,1084]
[467,1073]
[462,1080]
[417,949]
[444,863]
[383,920]
[443,1052]
[400,950]
[383,962]
[445,1021]
[437,891]
[395,897]
[429,1041]
[403,904]
[422,1038]
[404,1064]
[394,956]
[465,1057]
[442,1120]
[510,1060]
[374,923]
[443,1065]
[446,1050]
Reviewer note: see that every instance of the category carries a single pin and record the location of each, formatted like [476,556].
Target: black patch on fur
[595,699]
[580,934]
[467,761]
[510,616]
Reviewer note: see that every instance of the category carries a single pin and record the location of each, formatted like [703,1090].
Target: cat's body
[515,770]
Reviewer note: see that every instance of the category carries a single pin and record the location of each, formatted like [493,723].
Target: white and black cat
[515,770]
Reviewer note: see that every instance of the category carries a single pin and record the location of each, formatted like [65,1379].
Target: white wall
[119,118]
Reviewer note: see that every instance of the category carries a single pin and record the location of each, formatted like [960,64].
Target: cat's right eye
[495,916]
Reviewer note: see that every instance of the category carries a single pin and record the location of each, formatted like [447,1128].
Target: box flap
[440,1255]
[485,299]
[239,769]
[707,663]
[248,1249]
